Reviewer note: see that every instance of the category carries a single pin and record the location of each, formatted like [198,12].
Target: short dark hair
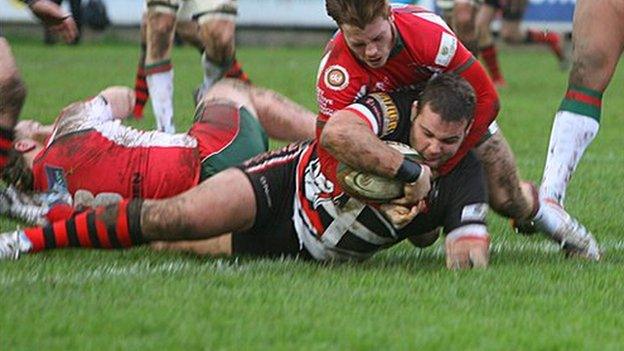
[17,172]
[359,13]
[450,96]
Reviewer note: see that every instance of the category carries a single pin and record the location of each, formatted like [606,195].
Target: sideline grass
[530,298]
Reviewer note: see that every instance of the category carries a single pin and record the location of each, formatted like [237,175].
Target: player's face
[28,129]
[372,44]
[435,139]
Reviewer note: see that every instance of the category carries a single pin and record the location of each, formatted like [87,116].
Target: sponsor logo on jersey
[336,77]
[56,179]
[474,212]
[446,51]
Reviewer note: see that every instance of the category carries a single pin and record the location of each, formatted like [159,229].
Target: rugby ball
[373,188]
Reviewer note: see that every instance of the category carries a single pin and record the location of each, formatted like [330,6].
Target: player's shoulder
[418,19]
[338,66]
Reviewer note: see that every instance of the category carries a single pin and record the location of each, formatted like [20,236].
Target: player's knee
[121,100]
[218,39]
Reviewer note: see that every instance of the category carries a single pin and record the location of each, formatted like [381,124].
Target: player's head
[442,118]
[29,140]
[366,26]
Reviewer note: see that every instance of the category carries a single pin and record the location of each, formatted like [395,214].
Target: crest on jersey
[446,51]
[336,77]
[56,178]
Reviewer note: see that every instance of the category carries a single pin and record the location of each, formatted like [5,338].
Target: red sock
[6,143]
[553,40]
[111,227]
[490,58]
[140,86]
[236,71]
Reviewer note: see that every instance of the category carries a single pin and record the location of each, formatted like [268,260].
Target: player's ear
[24,145]
[414,110]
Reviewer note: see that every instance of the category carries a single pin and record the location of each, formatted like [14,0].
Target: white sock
[571,134]
[212,73]
[160,86]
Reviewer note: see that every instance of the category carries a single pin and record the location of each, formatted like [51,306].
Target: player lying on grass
[88,148]
[280,202]
[12,88]
[379,48]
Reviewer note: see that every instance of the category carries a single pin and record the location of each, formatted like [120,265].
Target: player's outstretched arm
[53,16]
[467,247]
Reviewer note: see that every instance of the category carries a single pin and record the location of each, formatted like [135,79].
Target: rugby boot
[10,245]
[574,238]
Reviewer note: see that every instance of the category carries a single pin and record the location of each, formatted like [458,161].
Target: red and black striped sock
[236,72]
[490,58]
[6,143]
[140,86]
[112,227]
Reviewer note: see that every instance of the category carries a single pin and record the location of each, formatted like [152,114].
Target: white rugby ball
[373,188]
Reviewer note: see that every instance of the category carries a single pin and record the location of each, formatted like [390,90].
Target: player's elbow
[334,134]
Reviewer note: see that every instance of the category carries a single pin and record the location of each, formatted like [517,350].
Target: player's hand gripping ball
[373,188]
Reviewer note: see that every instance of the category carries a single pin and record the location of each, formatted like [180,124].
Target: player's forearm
[48,12]
[350,140]
[282,118]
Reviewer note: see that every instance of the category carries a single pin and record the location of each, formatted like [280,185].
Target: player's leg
[219,246]
[513,12]
[217,26]
[140,82]
[281,117]
[158,68]
[221,204]
[464,16]
[13,94]
[598,43]
[518,200]
[487,47]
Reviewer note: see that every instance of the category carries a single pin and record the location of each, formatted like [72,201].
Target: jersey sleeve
[464,195]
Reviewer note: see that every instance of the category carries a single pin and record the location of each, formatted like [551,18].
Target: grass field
[530,298]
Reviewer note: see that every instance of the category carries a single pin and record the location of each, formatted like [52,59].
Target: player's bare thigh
[223,203]
[598,39]
[218,246]
[232,90]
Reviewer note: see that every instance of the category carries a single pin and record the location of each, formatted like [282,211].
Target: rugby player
[216,27]
[513,11]
[380,48]
[461,15]
[598,42]
[280,202]
[12,88]
[88,141]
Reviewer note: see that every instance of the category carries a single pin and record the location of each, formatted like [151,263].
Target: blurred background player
[76,11]
[12,88]
[188,32]
[215,27]
[461,15]
[512,13]
[598,41]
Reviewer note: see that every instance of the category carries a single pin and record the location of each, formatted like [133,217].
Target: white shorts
[200,10]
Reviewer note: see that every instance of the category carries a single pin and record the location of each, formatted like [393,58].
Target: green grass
[530,298]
